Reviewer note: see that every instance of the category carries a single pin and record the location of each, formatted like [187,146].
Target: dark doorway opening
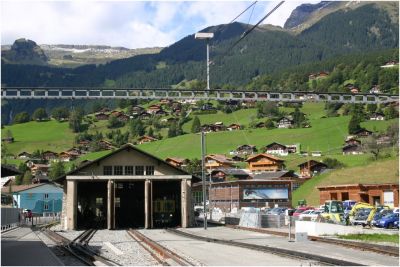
[166,204]
[92,205]
[333,196]
[129,204]
[364,198]
[345,196]
[376,200]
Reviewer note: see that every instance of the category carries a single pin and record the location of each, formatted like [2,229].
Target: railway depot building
[126,188]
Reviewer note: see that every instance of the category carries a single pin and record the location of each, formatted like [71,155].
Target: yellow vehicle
[367,211]
[333,212]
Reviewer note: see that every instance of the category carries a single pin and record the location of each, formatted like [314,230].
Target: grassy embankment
[384,171]
[372,237]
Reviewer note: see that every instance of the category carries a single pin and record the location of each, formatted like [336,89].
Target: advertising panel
[266,193]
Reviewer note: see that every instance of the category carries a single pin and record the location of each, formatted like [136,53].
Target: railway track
[160,253]
[381,249]
[79,248]
[321,260]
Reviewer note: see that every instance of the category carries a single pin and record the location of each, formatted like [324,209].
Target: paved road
[212,254]
[327,250]
[22,247]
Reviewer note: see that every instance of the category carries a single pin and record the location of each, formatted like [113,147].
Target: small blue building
[43,199]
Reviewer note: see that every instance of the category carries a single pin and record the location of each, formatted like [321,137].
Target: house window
[107,170]
[149,170]
[46,206]
[118,170]
[128,170]
[139,170]
[46,196]
[99,201]
[117,202]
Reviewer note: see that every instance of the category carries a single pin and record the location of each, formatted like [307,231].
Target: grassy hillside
[386,171]
[47,135]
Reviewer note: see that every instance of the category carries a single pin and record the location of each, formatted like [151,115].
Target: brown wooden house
[310,168]
[215,161]
[177,162]
[49,155]
[146,139]
[233,127]
[246,149]
[105,145]
[264,162]
[354,149]
[101,116]
[220,175]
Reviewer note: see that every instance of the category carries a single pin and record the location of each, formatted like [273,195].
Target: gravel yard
[120,247]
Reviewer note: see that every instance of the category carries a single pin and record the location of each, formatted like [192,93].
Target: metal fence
[10,218]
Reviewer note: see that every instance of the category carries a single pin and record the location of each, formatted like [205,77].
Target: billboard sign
[266,193]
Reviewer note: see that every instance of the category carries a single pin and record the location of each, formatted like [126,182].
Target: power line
[243,11]
[255,26]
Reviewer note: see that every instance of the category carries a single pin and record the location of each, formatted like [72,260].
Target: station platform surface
[22,247]
[317,248]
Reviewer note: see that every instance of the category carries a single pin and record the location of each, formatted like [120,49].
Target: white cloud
[124,23]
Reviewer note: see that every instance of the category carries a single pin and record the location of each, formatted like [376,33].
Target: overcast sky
[132,24]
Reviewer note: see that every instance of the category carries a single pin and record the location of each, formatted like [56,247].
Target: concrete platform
[206,253]
[22,247]
[327,250]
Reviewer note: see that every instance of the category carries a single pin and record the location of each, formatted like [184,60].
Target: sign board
[266,193]
[388,198]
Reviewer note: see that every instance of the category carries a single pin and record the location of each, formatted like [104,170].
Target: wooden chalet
[137,109]
[363,133]
[264,162]
[105,145]
[154,108]
[310,168]
[49,155]
[37,169]
[375,90]
[160,112]
[246,149]
[280,176]
[144,115]
[165,101]
[238,158]
[65,156]
[376,116]
[353,149]
[116,113]
[383,140]
[146,139]
[276,148]
[104,110]
[233,127]
[24,155]
[352,141]
[354,90]
[101,116]
[177,162]
[285,122]
[215,161]
[122,117]
[221,175]
[7,139]
[260,125]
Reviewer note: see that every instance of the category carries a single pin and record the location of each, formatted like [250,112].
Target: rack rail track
[381,249]
[278,251]
[79,247]
[160,253]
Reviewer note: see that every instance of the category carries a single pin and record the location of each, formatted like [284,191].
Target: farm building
[285,122]
[177,162]
[277,149]
[214,161]
[126,188]
[223,174]
[381,194]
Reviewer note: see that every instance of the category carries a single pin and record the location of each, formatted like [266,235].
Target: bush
[333,163]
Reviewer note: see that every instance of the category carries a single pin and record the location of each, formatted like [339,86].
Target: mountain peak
[25,51]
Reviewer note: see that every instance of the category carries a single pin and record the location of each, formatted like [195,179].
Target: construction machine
[333,212]
[367,211]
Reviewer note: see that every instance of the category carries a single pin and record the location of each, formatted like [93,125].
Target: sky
[131,24]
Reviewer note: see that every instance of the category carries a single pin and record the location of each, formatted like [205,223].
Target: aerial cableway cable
[243,12]
[255,26]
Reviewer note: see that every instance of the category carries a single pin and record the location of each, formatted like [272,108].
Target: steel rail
[79,248]
[269,249]
[382,249]
[159,249]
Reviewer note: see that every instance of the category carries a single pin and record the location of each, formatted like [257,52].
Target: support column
[71,204]
[110,205]
[147,198]
[185,202]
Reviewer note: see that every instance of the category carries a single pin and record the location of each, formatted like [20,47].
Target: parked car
[276,211]
[380,215]
[311,215]
[396,210]
[300,210]
[389,221]
[396,224]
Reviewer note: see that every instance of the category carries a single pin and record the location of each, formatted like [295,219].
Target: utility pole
[203,177]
